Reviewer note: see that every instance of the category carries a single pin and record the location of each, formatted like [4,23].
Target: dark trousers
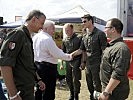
[27,93]
[93,78]
[73,76]
[47,72]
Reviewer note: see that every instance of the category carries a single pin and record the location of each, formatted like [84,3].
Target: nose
[83,23]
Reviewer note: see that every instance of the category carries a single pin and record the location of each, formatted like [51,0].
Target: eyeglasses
[84,21]
[109,27]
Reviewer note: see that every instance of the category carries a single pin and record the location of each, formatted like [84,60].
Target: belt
[46,63]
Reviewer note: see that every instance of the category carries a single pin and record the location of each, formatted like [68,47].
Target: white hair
[48,23]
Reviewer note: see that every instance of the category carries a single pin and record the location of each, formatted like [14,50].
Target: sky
[104,9]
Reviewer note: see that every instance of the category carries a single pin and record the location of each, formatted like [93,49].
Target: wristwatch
[106,94]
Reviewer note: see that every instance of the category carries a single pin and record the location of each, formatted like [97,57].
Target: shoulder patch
[11,45]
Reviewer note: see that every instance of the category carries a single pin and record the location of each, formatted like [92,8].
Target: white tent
[74,16]
[76,12]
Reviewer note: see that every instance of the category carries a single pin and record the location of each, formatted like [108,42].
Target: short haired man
[115,64]
[17,58]
[94,42]
[73,73]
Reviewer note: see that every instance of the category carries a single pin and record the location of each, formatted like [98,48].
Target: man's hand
[75,53]
[42,86]
[103,97]
[72,55]
[82,66]
[61,67]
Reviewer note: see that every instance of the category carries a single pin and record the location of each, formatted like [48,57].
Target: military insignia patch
[12,45]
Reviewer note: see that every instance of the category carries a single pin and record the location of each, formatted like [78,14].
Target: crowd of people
[26,61]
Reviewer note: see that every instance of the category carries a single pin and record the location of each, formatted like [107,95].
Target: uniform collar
[72,36]
[120,39]
[93,31]
[26,31]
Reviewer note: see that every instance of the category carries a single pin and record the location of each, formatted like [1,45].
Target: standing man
[46,58]
[73,72]
[115,64]
[94,42]
[17,58]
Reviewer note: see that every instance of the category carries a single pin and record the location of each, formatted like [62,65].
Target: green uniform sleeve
[121,63]
[10,48]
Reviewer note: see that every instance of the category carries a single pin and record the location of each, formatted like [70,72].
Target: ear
[113,29]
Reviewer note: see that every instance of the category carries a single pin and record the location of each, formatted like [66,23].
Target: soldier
[94,42]
[115,64]
[17,58]
[73,72]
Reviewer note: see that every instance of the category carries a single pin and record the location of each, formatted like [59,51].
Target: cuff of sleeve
[7,61]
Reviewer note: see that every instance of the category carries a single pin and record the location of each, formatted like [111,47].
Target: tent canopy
[16,24]
[13,24]
[74,16]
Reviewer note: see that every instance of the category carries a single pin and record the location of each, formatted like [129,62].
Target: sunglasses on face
[108,27]
[84,21]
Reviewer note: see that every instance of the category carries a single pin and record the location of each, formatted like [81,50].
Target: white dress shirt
[45,49]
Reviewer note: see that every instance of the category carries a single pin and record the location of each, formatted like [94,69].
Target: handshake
[75,53]
[83,61]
